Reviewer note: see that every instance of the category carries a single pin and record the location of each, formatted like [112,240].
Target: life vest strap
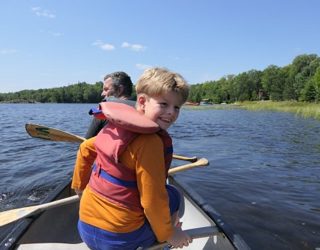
[103,174]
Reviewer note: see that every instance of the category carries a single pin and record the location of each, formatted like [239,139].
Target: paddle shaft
[194,233]
[199,163]
[52,134]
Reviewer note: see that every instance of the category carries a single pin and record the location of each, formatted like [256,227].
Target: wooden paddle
[52,134]
[9,216]
[198,163]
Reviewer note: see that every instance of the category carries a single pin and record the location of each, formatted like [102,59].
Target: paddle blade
[51,134]
[7,217]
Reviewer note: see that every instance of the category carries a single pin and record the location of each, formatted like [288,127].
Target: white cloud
[41,12]
[103,46]
[56,34]
[125,45]
[143,66]
[107,46]
[135,47]
[7,51]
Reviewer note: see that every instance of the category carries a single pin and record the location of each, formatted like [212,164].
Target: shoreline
[302,109]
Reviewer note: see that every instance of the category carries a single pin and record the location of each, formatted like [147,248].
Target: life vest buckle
[96,170]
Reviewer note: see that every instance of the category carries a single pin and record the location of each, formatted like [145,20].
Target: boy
[127,203]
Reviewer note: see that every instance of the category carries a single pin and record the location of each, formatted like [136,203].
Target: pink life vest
[112,179]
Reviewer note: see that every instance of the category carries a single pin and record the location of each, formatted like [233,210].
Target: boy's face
[164,109]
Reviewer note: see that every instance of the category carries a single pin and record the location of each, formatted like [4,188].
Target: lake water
[263,178]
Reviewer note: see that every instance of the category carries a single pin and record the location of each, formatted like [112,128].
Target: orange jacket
[144,156]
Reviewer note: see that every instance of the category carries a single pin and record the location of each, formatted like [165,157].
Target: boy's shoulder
[149,138]
[147,142]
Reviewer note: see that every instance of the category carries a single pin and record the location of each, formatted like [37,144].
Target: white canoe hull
[56,229]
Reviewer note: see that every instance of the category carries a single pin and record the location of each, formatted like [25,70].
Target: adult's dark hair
[121,78]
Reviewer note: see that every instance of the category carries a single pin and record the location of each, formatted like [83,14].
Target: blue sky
[55,43]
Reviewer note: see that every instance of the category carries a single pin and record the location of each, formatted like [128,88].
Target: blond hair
[158,81]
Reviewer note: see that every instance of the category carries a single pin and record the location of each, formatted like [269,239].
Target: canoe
[56,228]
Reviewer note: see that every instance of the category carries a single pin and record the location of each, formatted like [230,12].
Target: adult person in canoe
[127,203]
[117,87]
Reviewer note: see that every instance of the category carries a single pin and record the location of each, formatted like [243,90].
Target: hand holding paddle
[52,134]
[194,233]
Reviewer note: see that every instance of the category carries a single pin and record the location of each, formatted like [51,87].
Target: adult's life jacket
[110,178]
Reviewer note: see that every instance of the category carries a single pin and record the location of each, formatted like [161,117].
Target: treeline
[81,92]
[298,81]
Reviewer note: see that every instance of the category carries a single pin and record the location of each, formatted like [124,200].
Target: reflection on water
[263,178]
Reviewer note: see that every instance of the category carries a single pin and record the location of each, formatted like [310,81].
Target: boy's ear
[141,100]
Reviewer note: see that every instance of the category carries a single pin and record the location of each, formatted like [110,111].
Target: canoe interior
[56,228]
